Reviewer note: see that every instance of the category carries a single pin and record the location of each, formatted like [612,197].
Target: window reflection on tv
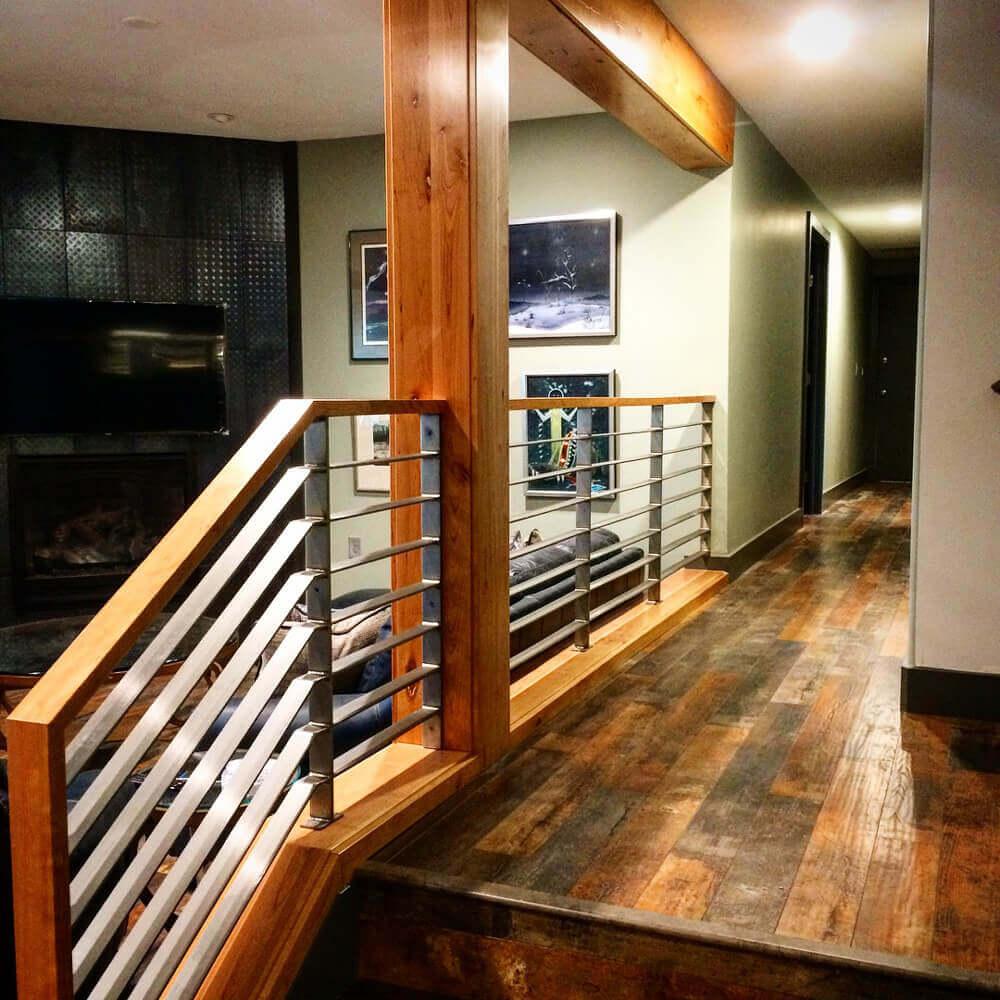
[80,367]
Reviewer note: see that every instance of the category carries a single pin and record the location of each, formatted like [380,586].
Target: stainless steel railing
[142,937]
[671,475]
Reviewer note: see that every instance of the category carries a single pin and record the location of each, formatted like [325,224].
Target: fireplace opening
[81,523]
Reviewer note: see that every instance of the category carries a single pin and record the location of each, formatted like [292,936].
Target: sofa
[533,563]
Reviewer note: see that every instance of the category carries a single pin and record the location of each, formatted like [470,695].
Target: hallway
[753,771]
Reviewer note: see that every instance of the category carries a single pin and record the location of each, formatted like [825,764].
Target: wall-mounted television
[74,366]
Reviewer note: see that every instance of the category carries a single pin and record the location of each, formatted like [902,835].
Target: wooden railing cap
[604,402]
[65,687]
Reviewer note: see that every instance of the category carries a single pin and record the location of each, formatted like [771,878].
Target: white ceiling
[853,128]
[306,69]
[287,69]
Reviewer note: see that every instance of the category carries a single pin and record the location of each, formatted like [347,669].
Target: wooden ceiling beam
[628,58]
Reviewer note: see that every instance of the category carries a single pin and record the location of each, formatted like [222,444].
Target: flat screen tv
[72,366]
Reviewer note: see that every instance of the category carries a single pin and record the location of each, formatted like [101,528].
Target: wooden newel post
[446,171]
[40,860]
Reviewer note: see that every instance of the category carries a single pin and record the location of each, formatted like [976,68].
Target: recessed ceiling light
[141,23]
[821,35]
[222,117]
[902,215]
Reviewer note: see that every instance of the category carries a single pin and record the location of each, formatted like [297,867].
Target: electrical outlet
[353,547]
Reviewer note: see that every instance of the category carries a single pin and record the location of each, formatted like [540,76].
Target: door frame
[816,294]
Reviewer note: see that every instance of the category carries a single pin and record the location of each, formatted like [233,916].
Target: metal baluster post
[656,502]
[430,484]
[706,518]
[584,479]
[317,505]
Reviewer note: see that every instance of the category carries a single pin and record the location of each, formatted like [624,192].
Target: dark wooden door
[814,370]
[896,376]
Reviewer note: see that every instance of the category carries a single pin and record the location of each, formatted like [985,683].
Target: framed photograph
[553,427]
[369,261]
[562,276]
[371,443]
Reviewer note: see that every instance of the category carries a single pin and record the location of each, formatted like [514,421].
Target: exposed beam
[626,56]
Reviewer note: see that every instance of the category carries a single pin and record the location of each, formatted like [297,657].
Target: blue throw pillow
[378,670]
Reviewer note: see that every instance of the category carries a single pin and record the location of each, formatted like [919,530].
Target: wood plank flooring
[753,771]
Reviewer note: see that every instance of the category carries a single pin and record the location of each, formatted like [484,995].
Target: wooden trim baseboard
[846,486]
[963,694]
[738,562]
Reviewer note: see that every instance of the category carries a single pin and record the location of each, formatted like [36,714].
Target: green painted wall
[711,274]
[767,305]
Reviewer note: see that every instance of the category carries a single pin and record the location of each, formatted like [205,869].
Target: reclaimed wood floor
[753,771]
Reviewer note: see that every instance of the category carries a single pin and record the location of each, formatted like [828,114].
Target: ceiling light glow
[140,23]
[903,215]
[821,35]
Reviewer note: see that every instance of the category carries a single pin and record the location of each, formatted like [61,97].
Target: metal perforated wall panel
[103,214]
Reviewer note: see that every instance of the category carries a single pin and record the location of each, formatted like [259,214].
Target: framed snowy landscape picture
[562,276]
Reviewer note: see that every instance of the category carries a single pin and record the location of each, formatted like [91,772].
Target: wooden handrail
[36,728]
[65,688]
[605,402]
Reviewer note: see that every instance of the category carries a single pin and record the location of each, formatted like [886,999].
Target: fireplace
[81,523]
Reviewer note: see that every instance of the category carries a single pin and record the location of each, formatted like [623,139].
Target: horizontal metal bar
[549,509]
[625,570]
[620,599]
[694,423]
[555,440]
[616,434]
[387,553]
[543,644]
[568,471]
[547,543]
[594,435]
[539,613]
[372,745]
[704,488]
[563,569]
[382,601]
[382,646]
[573,469]
[623,543]
[377,508]
[177,689]
[252,845]
[155,783]
[133,683]
[689,447]
[681,518]
[351,708]
[690,537]
[412,456]
[618,490]
[681,563]
[184,870]
[627,516]
[685,472]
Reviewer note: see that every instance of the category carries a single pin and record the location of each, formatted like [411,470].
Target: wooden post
[446,68]
[40,860]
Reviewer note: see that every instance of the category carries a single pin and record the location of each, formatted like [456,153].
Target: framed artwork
[369,267]
[371,443]
[562,276]
[553,427]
